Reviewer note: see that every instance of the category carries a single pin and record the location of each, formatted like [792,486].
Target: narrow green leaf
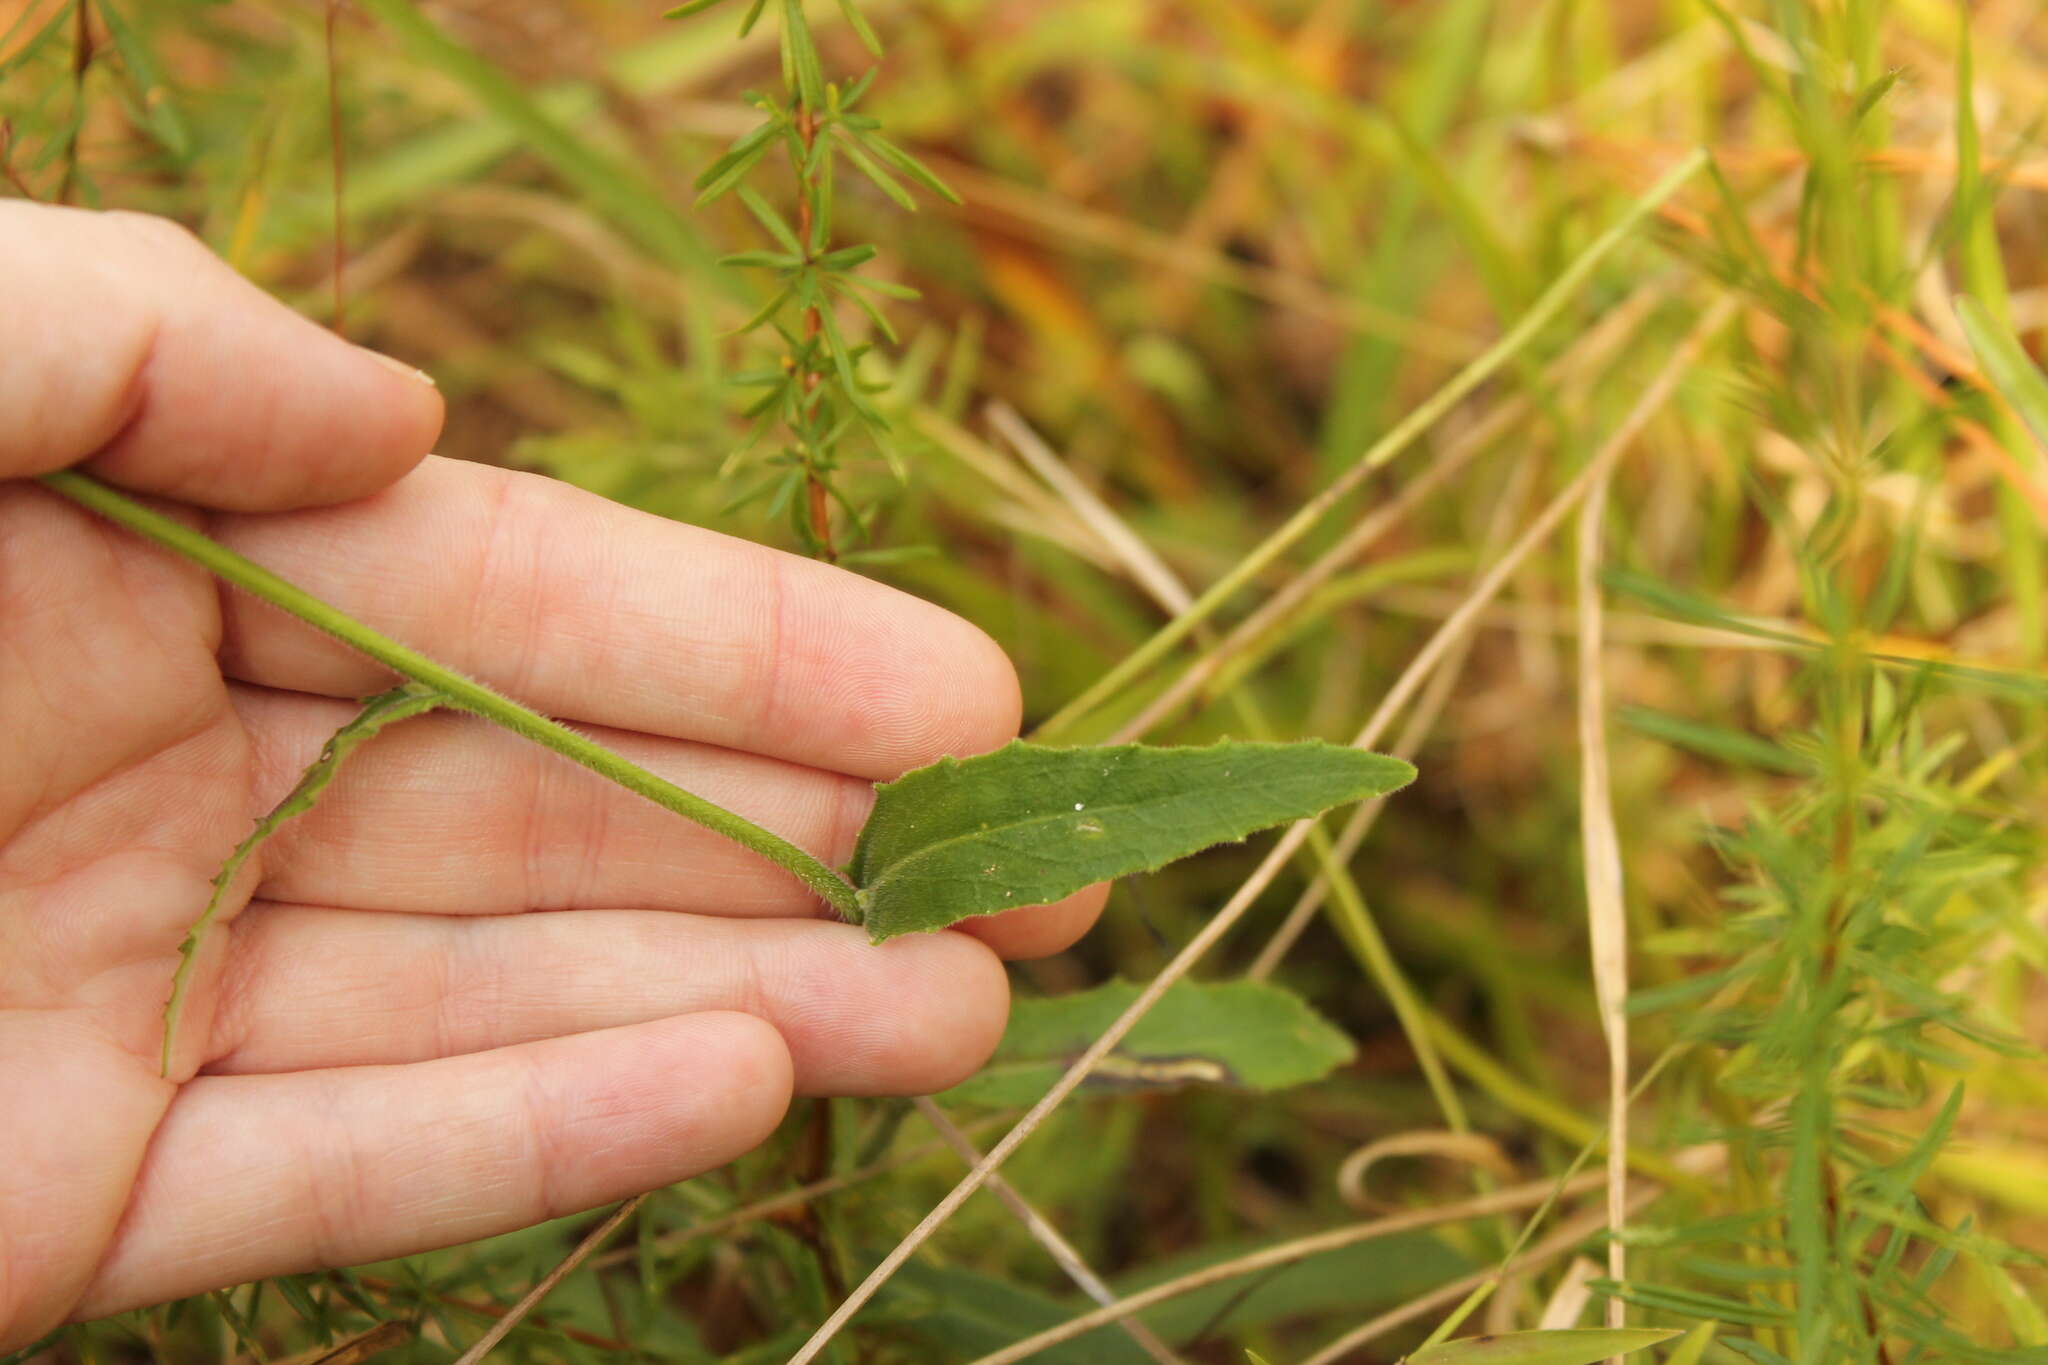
[727,172]
[1715,741]
[858,22]
[2008,365]
[1565,1346]
[849,257]
[888,289]
[875,316]
[910,166]
[843,358]
[771,221]
[1680,605]
[764,260]
[802,47]
[765,311]
[1694,1348]
[882,180]
[1029,824]
[617,188]
[690,7]
[158,110]
[1245,1034]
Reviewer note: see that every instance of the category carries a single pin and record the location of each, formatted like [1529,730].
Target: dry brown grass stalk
[1286,1253]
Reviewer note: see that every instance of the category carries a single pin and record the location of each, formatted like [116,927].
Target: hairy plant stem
[400,703]
[461,693]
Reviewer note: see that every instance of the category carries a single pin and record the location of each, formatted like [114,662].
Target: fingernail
[399,367]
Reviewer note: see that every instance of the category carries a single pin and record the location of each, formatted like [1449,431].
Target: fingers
[252,1176]
[78,1110]
[131,347]
[1039,930]
[598,613]
[318,988]
[449,815]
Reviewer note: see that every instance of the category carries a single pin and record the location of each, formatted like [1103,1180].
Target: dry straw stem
[1567,1302]
[357,1347]
[1045,1234]
[1166,588]
[1653,398]
[1419,420]
[531,1299]
[792,1198]
[1563,1242]
[1032,510]
[1525,1196]
[1587,353]
[1472,1149]
[1606,915]
[1289,843]
[1138,559]
[1421,721]
[1458,625]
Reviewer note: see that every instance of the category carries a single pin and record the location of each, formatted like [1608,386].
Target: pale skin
[478,986]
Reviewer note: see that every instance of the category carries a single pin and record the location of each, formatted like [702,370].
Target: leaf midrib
[932,849]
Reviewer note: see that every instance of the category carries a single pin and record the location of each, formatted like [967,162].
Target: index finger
[594,612]
[134,350]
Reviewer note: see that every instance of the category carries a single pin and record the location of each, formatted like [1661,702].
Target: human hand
[477,986]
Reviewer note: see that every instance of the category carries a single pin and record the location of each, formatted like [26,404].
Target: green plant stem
[462,693]
[401,703]
[1383,450]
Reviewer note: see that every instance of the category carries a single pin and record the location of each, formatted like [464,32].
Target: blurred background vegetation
[1207,253]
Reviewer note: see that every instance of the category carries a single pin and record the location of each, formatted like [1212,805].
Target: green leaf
[727,172]
[690,7]
[158,111]
[617,188]
[802,50]
[773,222]
[858,22]
[762,260]
[1029,824]
[910,166]
[1246,1034]
[1694,1347]
[1715,741]
[875,314]
[882,180]
[849,257]
[1566,1346]
[2008,365]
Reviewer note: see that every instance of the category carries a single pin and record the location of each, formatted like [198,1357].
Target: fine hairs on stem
[455,690]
